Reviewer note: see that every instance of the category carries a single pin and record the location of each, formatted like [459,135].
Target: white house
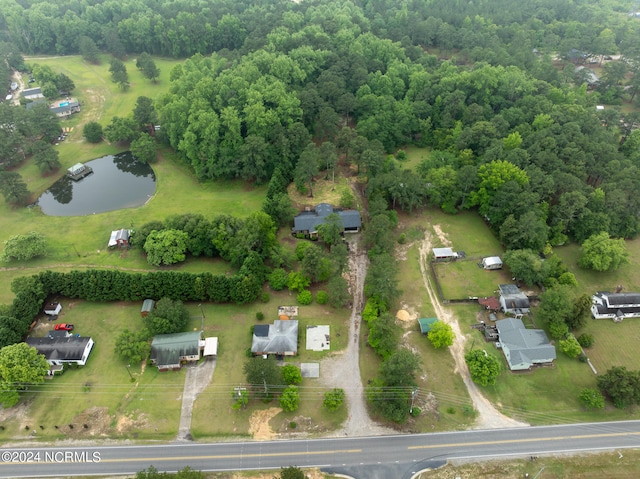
[59,350]
[616,306]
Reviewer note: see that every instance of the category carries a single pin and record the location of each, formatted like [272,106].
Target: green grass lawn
[101,393]
[463,278]
[415,155]
[213,415]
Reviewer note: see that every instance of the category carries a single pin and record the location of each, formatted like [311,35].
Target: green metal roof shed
[426,324]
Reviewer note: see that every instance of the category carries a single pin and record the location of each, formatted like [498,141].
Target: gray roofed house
[32,93]
[307,222]
[63,349]
[512,300]
[66,108]
[280,338]
[522,347]
[169,350]
[616,306]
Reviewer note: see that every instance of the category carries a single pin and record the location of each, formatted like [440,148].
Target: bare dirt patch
[259,423]
[442,236]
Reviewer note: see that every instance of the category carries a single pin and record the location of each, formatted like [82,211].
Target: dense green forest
[488,86]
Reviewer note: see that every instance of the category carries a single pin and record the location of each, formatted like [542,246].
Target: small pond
[118,181]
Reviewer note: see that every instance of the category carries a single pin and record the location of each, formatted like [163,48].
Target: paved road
[406,454]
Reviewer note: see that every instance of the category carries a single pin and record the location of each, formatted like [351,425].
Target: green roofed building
[168,351]
[426,324]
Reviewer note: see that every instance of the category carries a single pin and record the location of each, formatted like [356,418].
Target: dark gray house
[307,222]
[63,348]
[523,348]
[616,306]
[279,338]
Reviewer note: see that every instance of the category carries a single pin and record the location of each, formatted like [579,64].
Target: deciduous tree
[333,399]
[441,335]
[13,187]
[92,132]
[24,247]
[263,375]
[591,398]
[483,367]
[143,148]
[600,252]
[290,399]
[168,316]
[291,374]
[133,347]
[166,247]
[20,365]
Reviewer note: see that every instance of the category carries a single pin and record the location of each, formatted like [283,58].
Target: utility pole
[413,395]
[129,371]
[202,313]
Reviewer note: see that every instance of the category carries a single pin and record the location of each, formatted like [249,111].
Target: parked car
[63,327]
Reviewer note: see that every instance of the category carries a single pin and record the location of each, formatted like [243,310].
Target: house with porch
[307,222]
[523,348]
[615,306]
[63,348]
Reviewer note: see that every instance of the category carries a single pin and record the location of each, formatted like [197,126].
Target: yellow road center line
[537,439]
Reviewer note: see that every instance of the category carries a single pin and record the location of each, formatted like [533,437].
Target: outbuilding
[147,307]
[52,309]
[492,262]
[444,254]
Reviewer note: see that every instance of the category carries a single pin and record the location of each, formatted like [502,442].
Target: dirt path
[488,416]
[343,370]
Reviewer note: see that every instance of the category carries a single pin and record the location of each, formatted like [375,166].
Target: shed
[210,347]
[492,262]
[444,254]
[147,307]
[119,238]
[52,309]
[426,324]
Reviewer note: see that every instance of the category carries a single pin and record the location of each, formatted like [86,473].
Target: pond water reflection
[118,181]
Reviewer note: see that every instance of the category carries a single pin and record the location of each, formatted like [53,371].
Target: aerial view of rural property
[288,239]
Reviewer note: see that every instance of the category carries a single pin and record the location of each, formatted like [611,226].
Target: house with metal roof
[63,349]
[280,338]
[147,307]
[512,300]
[444,254]
[119,238]
[523,348]
[32,93]
[169,351]
[616,306]
[307,222]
